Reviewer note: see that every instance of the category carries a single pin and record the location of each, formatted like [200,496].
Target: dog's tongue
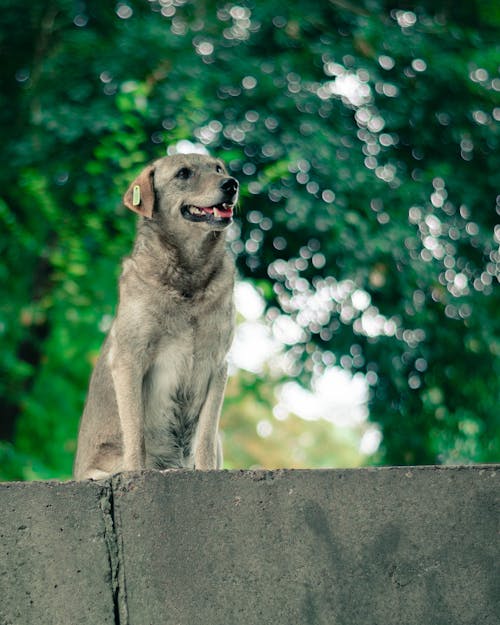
[218,211]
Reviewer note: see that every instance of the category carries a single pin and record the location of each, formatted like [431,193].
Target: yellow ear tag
[136,195]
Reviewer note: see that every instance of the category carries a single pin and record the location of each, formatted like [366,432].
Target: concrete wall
[395,546]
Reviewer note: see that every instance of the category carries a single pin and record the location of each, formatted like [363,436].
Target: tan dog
[156,391]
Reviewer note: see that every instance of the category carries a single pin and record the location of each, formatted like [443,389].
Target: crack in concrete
[114,548]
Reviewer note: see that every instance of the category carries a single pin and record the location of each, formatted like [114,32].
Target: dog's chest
[176,386]
[176,381]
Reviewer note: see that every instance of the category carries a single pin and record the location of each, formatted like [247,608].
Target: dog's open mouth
[218,214]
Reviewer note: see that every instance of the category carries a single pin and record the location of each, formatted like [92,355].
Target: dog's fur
[156,391]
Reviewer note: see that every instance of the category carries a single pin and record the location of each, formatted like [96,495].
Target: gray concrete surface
[54,555]
[395,546]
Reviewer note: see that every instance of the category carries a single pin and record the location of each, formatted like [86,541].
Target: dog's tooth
[216,212]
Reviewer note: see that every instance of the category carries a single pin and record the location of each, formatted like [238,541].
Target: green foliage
[365,136]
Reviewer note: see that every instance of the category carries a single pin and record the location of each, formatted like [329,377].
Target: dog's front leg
[127,380]
[206,450]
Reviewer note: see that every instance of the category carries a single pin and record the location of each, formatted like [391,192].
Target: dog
[156,391]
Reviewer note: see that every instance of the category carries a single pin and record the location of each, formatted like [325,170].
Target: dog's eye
[219,169]
[183,173]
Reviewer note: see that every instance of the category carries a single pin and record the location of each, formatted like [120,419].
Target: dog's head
[185,189]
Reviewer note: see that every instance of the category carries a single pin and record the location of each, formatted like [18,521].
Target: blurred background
[365,136]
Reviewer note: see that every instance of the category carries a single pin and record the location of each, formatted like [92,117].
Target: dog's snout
[229,186]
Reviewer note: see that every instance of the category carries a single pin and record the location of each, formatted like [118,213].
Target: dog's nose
[229,185]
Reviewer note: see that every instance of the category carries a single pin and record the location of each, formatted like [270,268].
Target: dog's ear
[140,196]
